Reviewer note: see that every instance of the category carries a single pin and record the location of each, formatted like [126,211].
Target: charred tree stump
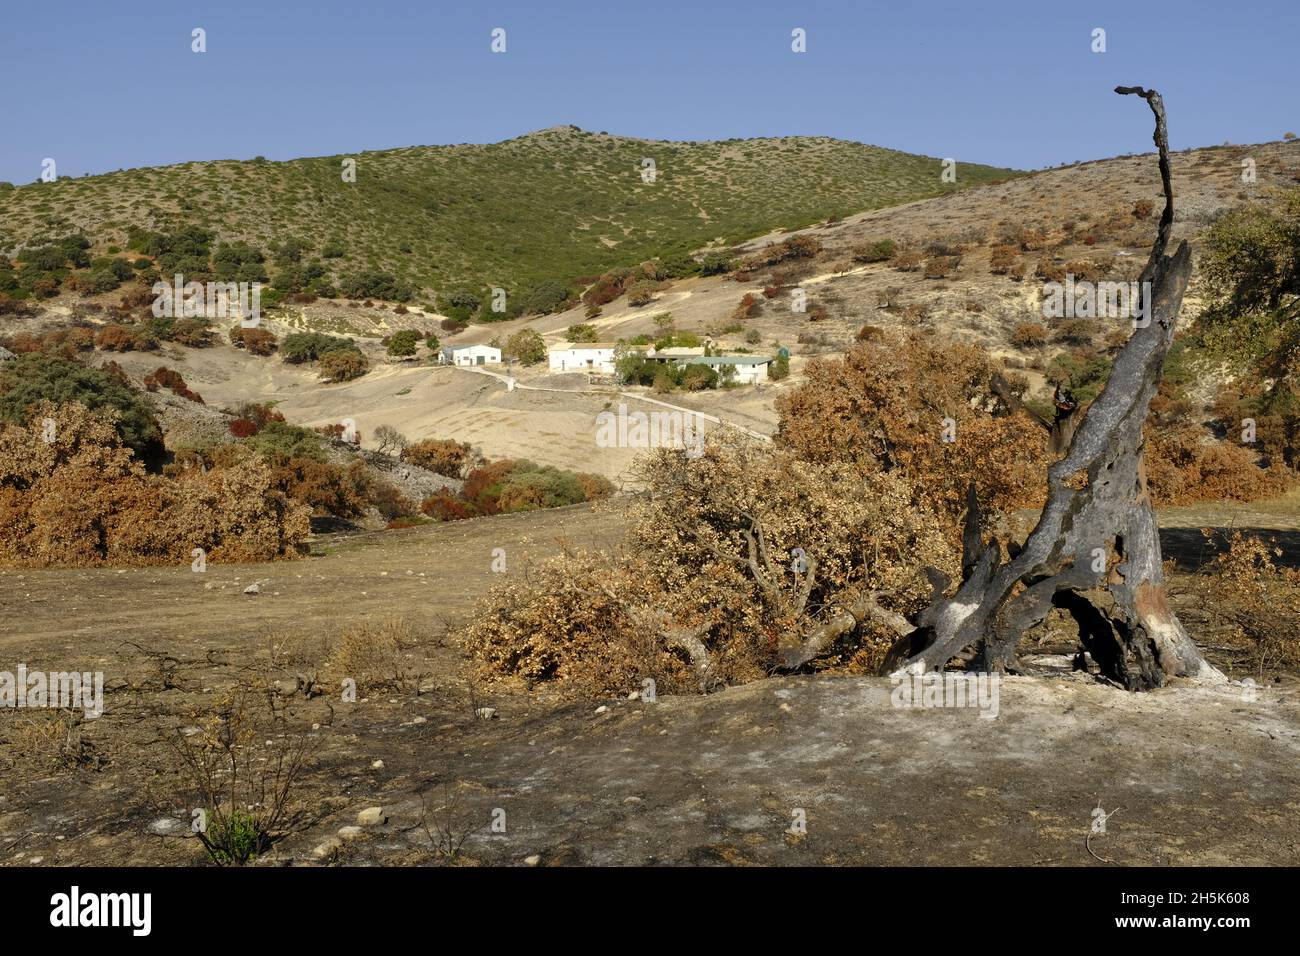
[1095,551]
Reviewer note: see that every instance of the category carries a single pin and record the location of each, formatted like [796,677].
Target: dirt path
[630,396]
[430,575]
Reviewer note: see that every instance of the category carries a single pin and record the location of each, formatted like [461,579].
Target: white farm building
[581,357]
[749,369]
[470,355]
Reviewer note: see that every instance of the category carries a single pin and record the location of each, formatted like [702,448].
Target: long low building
[582,356]
[750,369]
[470,355]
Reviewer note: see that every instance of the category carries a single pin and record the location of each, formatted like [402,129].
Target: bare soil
[1192,775]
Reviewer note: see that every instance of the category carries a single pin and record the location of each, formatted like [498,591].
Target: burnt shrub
[880,251]
[163,377]
[445,457]
[256,341]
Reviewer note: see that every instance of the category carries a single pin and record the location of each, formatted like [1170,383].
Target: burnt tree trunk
[1095,551]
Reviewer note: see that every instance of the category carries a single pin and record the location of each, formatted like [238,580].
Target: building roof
[729,360]
[469,345]
[580,346]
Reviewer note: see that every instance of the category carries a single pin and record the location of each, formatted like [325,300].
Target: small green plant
[244,773]
[233,839]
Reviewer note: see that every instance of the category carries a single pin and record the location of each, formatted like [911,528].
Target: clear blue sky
[100,86]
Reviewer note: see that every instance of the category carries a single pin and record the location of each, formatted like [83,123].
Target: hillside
[552,205]
[1079,213]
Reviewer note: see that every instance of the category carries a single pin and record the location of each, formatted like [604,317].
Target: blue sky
[100,86]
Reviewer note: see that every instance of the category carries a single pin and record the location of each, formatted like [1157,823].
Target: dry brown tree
[1095,552]
[750,559]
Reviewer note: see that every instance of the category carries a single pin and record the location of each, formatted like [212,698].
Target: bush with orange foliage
[258,415]
[1254,599]
[607,288]
[796,247]
[882,407]
[82,499]
[1185,465]
[508,485]
[483,485]
[65,343]
[163,377]
[256,341]
[120,338]
[595,624]
[442,456]
[446,505]
[747,308]
[1029,335]
[1002,258]
[906,260]
[941,267]
[339,432]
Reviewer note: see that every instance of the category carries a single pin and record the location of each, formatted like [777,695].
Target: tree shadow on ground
[1191,549]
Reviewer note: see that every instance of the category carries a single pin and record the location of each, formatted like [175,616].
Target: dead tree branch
[1095,551]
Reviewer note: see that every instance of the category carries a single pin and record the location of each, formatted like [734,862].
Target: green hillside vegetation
[531,215]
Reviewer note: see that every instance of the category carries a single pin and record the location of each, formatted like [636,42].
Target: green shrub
[526,347]
[696,378]
[291,441]
[881,251]
[298,347]
[371,284]
[715,263]
[543,298]
[405,342]
[97,282]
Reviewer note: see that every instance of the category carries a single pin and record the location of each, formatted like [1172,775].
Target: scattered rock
[328,848]
[377,765]
[602,709]
[532,860]
[485,713]
[286,688]
[371,817]
[253,588]
[166,826]
[347,834]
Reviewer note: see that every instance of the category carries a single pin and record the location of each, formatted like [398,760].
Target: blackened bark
[1095,551]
